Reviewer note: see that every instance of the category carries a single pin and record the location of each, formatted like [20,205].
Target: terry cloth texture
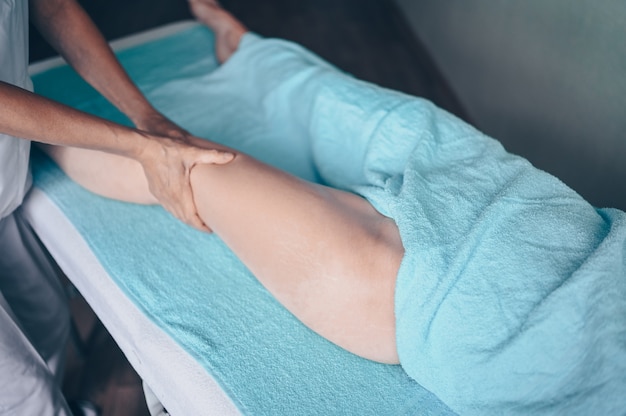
[511,295]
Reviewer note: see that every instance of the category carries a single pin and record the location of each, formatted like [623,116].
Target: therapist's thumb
[215,156]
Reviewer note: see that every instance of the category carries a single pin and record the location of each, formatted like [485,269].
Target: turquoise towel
[188,282]
[511,295]
[511,298]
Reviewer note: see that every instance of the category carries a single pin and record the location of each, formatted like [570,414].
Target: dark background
[368,38]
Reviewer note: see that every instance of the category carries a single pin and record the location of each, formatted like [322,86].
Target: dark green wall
[545,77]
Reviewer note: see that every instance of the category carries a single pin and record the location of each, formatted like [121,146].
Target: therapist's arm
[166,162]
[68,28]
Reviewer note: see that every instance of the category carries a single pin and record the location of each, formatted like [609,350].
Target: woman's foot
[228,30]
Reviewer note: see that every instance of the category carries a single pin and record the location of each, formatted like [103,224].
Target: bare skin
[327,255]
[165,151]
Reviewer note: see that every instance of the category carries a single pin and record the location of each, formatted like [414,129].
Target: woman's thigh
[327,255]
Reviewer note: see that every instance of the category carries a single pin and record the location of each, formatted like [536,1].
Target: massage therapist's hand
[167,163]
[167,160]
[169,178]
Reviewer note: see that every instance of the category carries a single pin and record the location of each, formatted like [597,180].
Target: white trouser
[34,324]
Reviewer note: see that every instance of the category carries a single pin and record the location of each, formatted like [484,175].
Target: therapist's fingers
[167,164]
[189,214]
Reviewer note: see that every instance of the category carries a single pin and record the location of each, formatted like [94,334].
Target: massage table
[197,327]
[509,299]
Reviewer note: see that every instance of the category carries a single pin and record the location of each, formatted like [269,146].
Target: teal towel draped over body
[511,297]
[189,283]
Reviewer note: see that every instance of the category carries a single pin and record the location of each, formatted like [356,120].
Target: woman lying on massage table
[334,242]
[485,329]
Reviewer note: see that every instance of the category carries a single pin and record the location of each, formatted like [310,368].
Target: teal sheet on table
[511,295]
[190,284]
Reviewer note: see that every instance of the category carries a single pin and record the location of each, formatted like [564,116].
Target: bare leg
[326,255]
[106,174]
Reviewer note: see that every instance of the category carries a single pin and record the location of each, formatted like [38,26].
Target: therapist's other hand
[167,163]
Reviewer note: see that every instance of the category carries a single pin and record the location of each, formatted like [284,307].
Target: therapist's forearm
[36,118]
[72,33]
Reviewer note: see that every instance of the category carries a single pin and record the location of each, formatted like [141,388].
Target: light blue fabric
[189,283]
[511,295]
[511,298]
